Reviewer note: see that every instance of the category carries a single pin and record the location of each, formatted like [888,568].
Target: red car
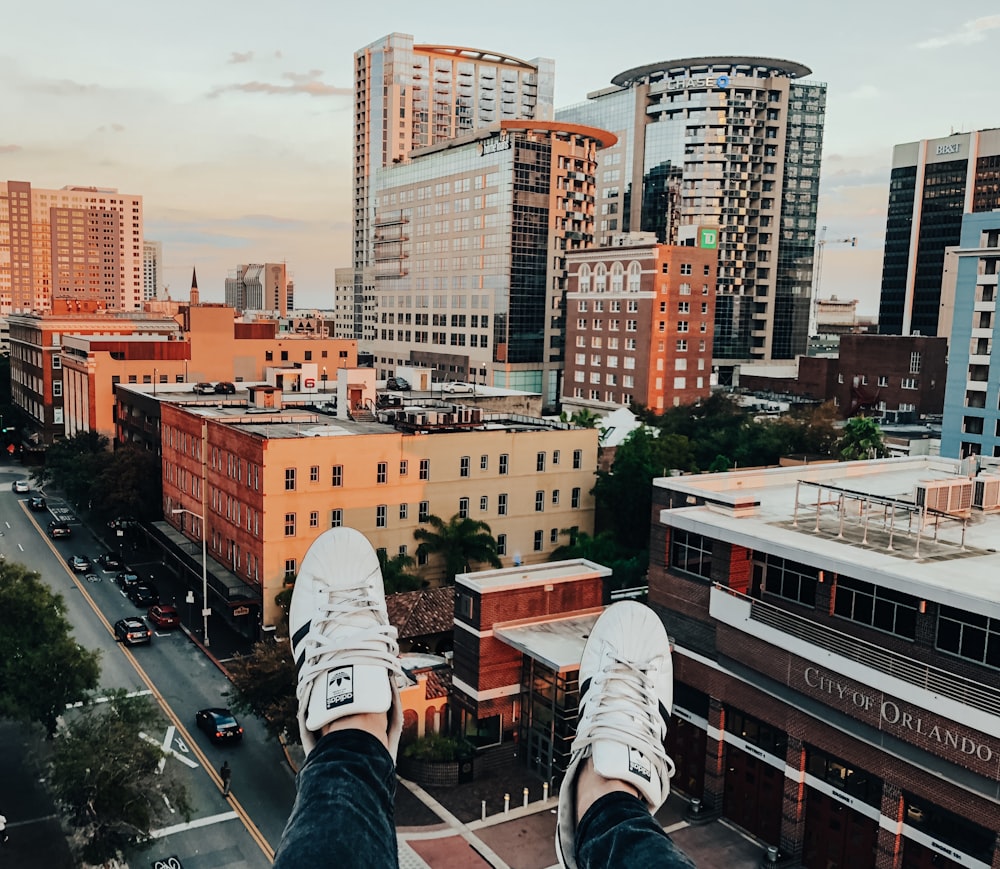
[164,617]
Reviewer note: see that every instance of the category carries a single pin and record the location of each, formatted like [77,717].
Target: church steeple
[195,295]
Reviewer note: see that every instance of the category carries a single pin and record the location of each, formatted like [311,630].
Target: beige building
[270,479]
[76,243]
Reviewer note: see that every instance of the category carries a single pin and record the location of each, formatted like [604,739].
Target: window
[539,541]
[574,501]
[501,544]
[290,569]
[883,380]
[56,388]
[314,519]
[540,462]
[682,345]
[554,536]
[969,635]
[484,463]
[380,514]
[691,553]
[484,503]
[289,525]
[404,511]
[423,511]
[908,383]
[56,362]
[788,579]
[337,476]
[463,508]
[268,356]
[539,502]
[503,464]
[289,479]
[336,518]
[425,469]
[878,607]
[463,470]
[915,362]
[382,472]
[555,457]
[685,268]
[404,467]
[555,497]
[577,459]
[314,474]
[502,504]
[682,326]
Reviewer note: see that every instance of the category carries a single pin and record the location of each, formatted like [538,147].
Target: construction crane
[821,242]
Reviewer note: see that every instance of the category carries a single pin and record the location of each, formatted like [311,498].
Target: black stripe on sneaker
[301,634]
[664,713]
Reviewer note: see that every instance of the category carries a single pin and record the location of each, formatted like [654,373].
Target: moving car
[224,387]
[79,563]
[22,486]
[220,724]
[143,595]
[37,503]
[164,617]
[456,386]
[109,561]
[398,383]
[59,529]
[132,631]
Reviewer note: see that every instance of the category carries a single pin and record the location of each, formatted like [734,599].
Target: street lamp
[205,609]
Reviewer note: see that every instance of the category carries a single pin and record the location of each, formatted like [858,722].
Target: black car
[220,724]
[59,529]
[398,383]
[126,580]
[224,387]
[132,631]
[143,595]
[109,561]
[37,503]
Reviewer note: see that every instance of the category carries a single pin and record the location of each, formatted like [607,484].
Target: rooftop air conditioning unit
[986,494]
[953,497]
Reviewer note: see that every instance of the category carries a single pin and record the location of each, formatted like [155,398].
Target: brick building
[837,657]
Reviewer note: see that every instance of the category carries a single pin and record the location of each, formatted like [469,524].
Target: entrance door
[917,856]
[753,795]
[837,837]
[686,745]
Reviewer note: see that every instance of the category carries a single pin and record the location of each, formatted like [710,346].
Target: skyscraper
[933,183]
[152,270]
[260,287]
[732,143]
[76,243]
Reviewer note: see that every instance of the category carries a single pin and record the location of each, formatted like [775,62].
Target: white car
[22,486]
[456,386]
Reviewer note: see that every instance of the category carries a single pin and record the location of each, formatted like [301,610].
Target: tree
[461,542]
[74,464]
[395,577]
[107,777]
[624,494]
[130,485]
[584,418]
[42,668]
[861,439]
[628,569]
[264,685]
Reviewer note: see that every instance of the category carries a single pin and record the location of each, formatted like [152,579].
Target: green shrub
[436,747]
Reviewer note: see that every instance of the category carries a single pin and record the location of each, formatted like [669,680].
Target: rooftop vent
[953,497]
[986,493]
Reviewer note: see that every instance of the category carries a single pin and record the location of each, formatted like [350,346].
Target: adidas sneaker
[344,648]
[626,694]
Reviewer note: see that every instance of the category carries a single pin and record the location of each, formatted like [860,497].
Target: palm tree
[394,575]
[460,541]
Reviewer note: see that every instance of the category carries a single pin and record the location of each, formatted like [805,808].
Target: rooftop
[557,643]
[859,519]
[530,575]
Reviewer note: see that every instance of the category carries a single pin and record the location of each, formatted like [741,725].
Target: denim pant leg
[344,807]
[618,830]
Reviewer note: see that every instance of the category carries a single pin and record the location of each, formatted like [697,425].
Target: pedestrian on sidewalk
[227,774]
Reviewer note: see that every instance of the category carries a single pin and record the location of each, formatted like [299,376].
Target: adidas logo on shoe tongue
[340,686]
[638,765]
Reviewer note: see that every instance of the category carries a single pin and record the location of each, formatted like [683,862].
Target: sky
[233,119]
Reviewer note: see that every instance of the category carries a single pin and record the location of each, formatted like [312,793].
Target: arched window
[584,278]
[600,278]
[634,277]
[617,277]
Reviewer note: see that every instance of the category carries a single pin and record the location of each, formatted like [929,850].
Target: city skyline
[236,129]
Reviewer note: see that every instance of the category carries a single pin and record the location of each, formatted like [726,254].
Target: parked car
[59,529]
[108,561]
[37,503]
[79,563]
[224,387]
[22,486]
[398,383]
[456,386]
[164,617]
[203,388]
[143,595]
[220,724]
[132,631]
[126,579]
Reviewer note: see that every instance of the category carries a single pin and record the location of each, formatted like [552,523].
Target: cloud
[864,92]
[62,87]
[967,34]
[240,57]
[301,83]
[9,149]
[112,128]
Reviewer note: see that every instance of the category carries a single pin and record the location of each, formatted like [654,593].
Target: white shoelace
[627,712]
[373,644]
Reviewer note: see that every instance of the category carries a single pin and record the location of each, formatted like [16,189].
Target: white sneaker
[344,648]
[626,694]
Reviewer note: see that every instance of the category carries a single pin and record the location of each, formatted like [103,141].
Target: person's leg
[619,772]
[350,717]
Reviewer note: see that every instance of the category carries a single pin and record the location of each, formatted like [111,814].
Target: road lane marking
[145,737]
[193,825]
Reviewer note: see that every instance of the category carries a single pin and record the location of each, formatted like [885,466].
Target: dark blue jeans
[344,805]
[618,830]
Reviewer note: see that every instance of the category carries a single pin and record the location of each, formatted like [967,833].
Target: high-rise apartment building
[470,239]
[260,287]
[152,270]
[971,424]
[76,243]
[933,183]
[729,142]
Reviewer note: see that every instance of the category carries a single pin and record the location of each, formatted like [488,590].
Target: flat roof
[641,73]
[875,538]
[530,575]
[557,643]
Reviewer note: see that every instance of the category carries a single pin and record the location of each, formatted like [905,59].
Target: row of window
[883,380]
